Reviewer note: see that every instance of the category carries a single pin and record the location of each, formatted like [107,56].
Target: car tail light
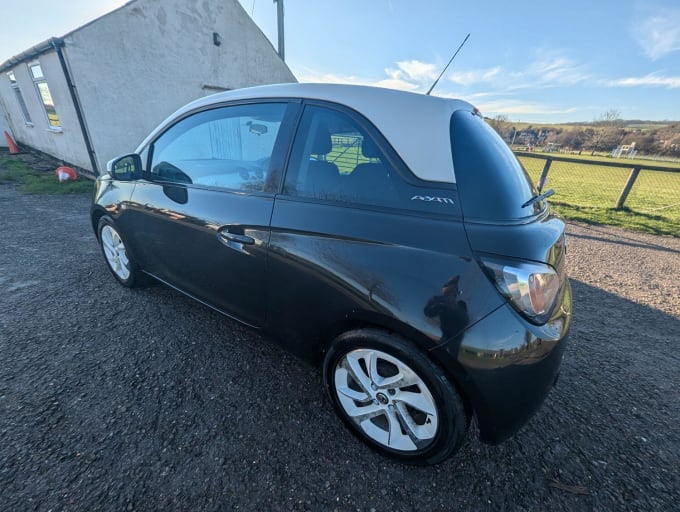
[530,287]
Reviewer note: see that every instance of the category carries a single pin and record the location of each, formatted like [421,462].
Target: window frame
[14,85]
[280,149]
[42,80]
[392,159]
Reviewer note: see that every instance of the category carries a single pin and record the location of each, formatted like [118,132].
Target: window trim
[14,85]
[42,80]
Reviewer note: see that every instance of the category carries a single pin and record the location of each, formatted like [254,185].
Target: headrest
[322,144]
[369,149]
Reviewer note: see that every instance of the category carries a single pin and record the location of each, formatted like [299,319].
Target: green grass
[588,193]
[29,181]
[347,156]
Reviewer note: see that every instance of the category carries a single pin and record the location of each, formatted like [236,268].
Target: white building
[4,127]
[97,91]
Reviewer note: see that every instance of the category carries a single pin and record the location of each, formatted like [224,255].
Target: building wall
[66,143]
[4,126]
[135,66]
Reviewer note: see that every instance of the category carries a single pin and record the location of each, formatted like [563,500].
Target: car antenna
[447,66]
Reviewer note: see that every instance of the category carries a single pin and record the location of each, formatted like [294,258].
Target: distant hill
[633,124]
[652,138]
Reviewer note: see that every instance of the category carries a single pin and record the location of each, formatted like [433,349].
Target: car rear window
[492,184]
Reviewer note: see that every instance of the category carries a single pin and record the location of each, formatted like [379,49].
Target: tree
[607,132]
[500,123]
[572,139]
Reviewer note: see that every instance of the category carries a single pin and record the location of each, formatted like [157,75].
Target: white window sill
[29,125]
[55,130]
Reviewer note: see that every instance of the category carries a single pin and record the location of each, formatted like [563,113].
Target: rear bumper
[506,366]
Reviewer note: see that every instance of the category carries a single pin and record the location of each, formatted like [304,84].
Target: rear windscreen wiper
[538,198]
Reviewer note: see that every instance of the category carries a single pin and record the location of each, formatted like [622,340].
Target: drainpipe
[279,24]
[58,44]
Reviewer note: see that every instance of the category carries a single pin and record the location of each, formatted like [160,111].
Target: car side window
[334,158]
[227,147]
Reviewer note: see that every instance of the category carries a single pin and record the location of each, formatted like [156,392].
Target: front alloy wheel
[116,253]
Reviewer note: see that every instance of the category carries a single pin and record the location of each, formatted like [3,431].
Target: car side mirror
[125,168]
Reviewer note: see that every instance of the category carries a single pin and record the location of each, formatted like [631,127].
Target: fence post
[626,188]
[544,174]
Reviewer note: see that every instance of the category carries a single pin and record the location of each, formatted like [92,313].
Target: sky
[533,61]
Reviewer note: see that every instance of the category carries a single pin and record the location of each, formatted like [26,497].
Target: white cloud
[467,78]
[659,35]
[556,70]
[312,76]
[410,75]
[416,70]
[397,83]
[651,80]
[518,107]
[549,70]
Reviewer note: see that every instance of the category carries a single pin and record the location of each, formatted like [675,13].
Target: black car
[390,237]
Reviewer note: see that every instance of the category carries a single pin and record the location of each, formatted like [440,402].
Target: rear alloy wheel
[394,397]
[116,254]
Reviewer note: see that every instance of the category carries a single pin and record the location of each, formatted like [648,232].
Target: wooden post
[627,187]
[544,174]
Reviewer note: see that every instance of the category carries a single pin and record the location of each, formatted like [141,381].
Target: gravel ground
[112,399]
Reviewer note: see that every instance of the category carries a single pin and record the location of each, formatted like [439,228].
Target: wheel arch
[97,213]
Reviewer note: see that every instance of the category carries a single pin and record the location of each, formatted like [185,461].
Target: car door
[204,206]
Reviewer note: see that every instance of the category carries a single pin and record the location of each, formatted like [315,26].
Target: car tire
[394,397]
[117,255]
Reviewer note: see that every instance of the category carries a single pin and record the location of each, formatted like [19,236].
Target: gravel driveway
[112,399]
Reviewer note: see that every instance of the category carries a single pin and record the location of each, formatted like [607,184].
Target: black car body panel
[183,234]
[308,268]
[507,372]
[349,266]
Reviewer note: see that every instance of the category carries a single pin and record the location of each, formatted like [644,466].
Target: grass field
[588,193]
[346,153]
[29,181]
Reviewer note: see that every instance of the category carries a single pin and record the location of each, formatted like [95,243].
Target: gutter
[29,54]
[57,43]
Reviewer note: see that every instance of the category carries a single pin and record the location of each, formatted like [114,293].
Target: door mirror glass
[125,168]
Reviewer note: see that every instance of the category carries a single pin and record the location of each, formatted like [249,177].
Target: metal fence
[648,190]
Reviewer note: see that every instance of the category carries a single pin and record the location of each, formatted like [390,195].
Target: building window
[45,95]
[20,98]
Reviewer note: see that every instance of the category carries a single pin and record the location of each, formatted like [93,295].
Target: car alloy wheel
[394,397]
[117,254]
[386,399]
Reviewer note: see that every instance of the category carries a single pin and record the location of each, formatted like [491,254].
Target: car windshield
[492,183]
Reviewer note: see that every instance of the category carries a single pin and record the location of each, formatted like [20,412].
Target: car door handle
[234,237]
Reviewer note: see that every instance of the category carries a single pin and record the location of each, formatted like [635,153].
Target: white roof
[416,125]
